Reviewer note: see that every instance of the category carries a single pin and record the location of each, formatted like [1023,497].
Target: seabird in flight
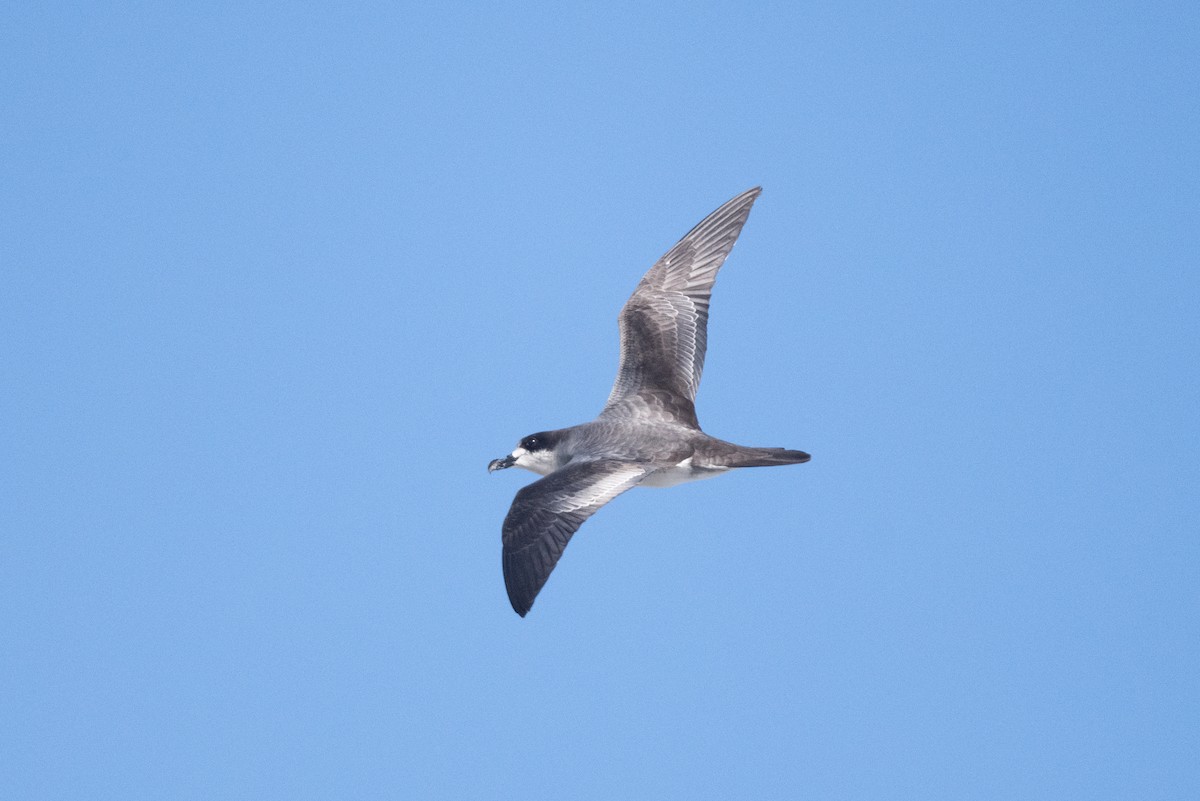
[647,434]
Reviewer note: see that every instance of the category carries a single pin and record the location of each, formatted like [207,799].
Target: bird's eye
[531,443]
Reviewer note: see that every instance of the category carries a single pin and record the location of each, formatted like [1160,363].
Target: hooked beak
[500,464]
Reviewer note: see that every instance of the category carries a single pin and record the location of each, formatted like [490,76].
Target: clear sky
[280,280]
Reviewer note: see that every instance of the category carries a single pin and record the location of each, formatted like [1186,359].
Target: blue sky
[281,280]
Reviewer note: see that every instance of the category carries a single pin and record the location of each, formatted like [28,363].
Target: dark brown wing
[546,513]
[664,324]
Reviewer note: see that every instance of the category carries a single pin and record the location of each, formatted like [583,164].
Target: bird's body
[647,433]
[679,453]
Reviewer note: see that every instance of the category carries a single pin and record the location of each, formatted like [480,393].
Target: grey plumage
[647,433]
[664,324]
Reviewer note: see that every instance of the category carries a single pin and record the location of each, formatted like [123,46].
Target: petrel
[647,434]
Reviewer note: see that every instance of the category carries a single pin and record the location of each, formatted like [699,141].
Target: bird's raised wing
[547,512]
[664,324]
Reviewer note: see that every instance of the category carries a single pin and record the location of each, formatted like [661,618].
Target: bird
[647,434]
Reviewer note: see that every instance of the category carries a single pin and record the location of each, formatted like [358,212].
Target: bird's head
[535,453]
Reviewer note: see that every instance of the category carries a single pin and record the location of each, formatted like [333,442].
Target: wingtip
[750,194]
[521,604]
[740,204]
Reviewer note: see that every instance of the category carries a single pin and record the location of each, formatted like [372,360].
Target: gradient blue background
[278,281]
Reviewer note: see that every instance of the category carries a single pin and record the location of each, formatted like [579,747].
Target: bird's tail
[767,457]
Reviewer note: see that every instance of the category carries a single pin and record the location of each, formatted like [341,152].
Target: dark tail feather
[767,457]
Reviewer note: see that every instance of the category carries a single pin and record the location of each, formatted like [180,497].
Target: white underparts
[681,473]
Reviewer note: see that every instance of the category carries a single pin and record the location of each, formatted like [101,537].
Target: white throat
[541,462]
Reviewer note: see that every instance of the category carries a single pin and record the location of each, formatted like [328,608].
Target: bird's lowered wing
[664,324]
[547,512]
